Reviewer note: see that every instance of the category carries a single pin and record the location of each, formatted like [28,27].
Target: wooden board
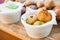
[6,36]
[18,31]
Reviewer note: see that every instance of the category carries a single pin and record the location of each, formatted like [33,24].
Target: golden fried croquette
[49,4]
[27,3]
[39,4]
[44,15]
[31,19]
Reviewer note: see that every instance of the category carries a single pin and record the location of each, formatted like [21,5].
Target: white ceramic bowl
[41,30]
[9,16]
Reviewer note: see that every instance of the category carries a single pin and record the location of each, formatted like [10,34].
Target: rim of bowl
[14,11]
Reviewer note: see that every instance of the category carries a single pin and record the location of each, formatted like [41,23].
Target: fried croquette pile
[42,17]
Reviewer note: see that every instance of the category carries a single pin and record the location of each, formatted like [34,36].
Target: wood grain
[6,36]
[18,31]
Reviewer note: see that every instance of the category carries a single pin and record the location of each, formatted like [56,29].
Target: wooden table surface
[17,30]
[6,36]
